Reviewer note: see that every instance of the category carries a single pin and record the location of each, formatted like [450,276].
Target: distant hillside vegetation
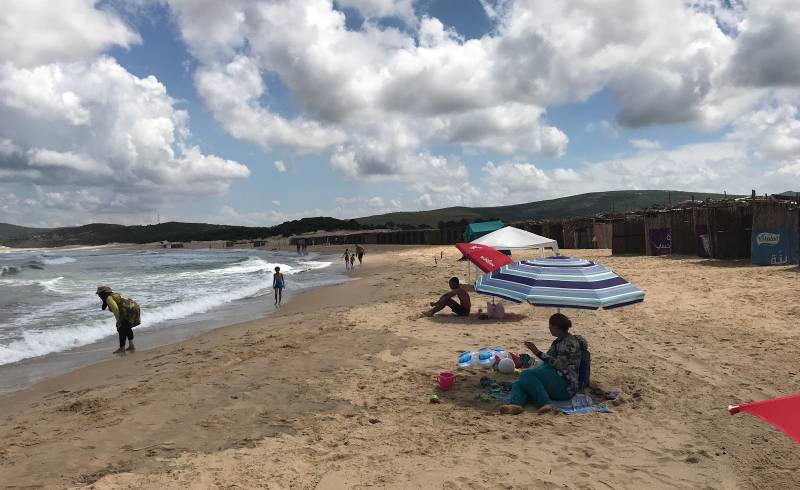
[584,205]
[11,231]
[101,233]
[565,207]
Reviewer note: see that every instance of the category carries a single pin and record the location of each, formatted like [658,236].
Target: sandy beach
[333,391]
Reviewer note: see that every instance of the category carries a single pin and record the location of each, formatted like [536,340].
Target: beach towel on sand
[500,391]
[579,405]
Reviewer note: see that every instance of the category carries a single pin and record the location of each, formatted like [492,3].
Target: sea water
[48,303]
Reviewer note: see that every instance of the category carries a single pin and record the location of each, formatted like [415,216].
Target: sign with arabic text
[775,246]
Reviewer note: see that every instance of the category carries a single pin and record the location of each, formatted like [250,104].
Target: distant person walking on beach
[277,285]
[126,312]
[298,246]
[360,252]
[460,307]
[353,261]
[346,258]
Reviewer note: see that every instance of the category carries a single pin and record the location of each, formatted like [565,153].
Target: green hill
[565,207]
[11,231]
[101,233]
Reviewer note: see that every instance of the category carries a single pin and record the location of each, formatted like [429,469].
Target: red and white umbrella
[485,258]
[783,413]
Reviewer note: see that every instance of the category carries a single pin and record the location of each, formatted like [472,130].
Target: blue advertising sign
[775,246]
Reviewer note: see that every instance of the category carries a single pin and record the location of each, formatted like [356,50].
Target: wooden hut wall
[730,230]
[653,224]
[531,226]
[432,237]
[684,239]
[775,215]
[554,230]
[569,234]
[453,235]
[628,236]
[702,235]
[584,234]
[603,235]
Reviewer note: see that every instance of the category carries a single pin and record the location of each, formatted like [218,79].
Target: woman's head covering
[103,290]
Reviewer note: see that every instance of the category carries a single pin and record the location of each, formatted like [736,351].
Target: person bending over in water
[127,313]
[558,378]
[460,307]
[277,285]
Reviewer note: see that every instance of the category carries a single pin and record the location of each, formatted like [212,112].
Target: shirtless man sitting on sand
[460,307]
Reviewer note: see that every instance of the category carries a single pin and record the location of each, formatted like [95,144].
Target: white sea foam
[309,265]
[39,342]
[74,320]
[48,260]
[36,343]
[44,284]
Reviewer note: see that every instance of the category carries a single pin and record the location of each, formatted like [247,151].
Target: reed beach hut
[628,236]
[683,238]
[578,233]
[658,232]
[603,234]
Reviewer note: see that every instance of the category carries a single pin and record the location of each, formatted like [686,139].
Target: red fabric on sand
[783,413]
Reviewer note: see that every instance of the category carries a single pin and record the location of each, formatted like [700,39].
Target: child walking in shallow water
[278,285]
[352,261]
[347,258]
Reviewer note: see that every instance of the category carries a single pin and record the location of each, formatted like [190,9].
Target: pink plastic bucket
[446,380]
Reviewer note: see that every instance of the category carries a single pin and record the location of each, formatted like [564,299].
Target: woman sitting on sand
[557,378]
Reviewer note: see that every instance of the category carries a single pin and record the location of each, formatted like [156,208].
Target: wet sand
[332,392]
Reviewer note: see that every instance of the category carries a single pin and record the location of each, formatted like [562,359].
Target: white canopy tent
[510,238]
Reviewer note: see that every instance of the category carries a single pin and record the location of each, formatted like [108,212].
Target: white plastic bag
[495,310]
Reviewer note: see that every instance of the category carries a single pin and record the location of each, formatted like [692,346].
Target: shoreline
[332,392]
[296,302]
[24,374]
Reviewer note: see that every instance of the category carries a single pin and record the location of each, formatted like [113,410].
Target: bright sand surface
[332,392]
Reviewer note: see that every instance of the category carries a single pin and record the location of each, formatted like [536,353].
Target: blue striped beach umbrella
[560,282]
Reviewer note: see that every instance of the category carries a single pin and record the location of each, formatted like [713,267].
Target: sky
[255,112]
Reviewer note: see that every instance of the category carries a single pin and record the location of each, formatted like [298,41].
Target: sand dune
[332,392]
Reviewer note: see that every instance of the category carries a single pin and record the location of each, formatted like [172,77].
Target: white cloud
[35,32]
[99,143]
[385,96]
[280,166]
[231,93]
[766,53]
[229,215]
[645,144]
[395,104]
[276,203]
[358,206]
[379,97]
[773,132]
